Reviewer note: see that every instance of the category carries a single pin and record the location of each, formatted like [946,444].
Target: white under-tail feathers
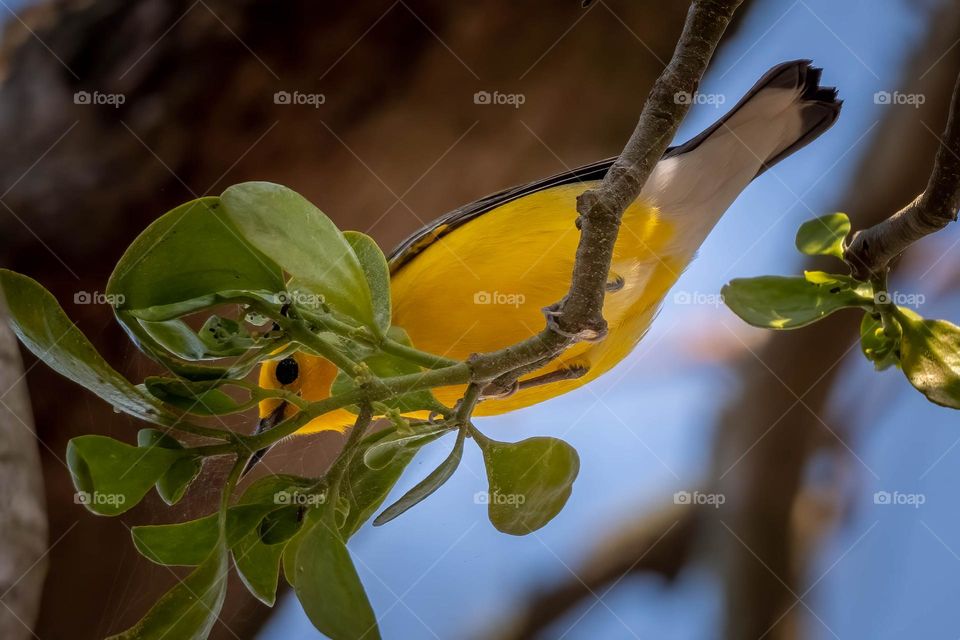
[695,183]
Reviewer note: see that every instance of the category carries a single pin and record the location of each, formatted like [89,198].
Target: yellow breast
[483,285]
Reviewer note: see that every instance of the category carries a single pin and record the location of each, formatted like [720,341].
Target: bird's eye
[287,371]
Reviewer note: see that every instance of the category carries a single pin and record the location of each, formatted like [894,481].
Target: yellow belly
[483,285]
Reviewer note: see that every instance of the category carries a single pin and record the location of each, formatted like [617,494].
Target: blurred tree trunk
[23,536]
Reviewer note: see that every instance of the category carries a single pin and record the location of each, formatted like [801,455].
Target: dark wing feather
[446,223]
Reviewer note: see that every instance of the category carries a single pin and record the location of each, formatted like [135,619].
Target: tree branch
[872,249]
[579,316]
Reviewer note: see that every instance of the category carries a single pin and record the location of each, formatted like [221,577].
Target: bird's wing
[429,233]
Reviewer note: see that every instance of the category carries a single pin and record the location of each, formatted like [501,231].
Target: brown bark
[23,536]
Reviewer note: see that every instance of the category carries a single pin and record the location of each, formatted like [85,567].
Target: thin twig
[579,316]
[871,250]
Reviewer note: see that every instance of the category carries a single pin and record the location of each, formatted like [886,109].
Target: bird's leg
[506,388]
[570,373]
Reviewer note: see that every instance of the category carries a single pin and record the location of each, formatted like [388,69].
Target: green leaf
[47,332]
[284,225]
[777,302]
[426,486]
[225,337]
[188,253]
[189,610]
[110,476]
[200,398]
[382,453]
[529,481]
[189,543]
[176,337]
[365,489]
[280,525]
[930,357]
[174,483]
[257,563]
[824,235]
[374,265]
[328,587]
[879,348]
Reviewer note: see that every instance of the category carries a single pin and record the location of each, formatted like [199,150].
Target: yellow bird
[476,279]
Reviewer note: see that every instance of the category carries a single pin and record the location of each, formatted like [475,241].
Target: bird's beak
[274,418]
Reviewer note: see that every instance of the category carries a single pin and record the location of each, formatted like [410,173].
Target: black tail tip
[801,74]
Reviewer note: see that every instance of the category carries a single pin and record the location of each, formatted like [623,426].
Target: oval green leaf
[930,357]
[44,329]
[778,302]
[190,252]
[824,235]
[529,481]
[328,587]
[111,477]
[287,227]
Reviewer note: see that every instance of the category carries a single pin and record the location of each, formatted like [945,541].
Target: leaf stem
[422,358]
